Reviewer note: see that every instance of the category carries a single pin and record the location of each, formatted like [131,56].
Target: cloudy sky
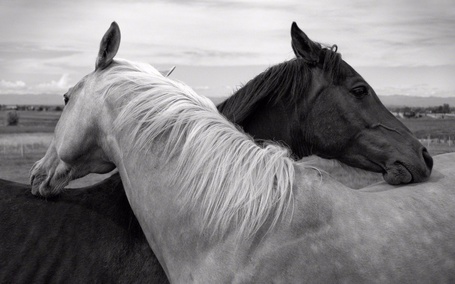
[405,46]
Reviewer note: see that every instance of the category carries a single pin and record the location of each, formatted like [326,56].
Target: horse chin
[397,174]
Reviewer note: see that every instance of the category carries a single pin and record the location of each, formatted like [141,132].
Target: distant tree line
[32,107]
[445,108]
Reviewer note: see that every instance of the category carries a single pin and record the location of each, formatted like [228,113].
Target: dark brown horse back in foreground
[59,242]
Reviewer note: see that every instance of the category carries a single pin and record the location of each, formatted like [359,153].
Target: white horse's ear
[303,46]
[108,47]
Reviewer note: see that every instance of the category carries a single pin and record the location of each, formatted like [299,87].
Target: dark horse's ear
[303,46]
[108,47]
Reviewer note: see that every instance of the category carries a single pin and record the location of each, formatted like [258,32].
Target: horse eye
[65,98]
[359,92]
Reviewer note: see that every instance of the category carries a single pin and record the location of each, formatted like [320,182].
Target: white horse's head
[75,150]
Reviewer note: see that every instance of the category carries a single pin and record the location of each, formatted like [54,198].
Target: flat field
[30,122]
[430,127]
[437,135]
[22,145]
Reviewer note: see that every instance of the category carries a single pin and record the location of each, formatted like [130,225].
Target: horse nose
[428,159]
[425,171]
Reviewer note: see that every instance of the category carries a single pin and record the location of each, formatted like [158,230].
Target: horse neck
[174,235]
[167,220]
[153,201]
[269,123]
[270,106]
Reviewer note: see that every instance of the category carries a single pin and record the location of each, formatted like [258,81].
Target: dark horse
[91,234]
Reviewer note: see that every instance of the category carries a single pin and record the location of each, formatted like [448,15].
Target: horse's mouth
[397,173]
[37,179]
[47,185]
[39,182]
[35,184]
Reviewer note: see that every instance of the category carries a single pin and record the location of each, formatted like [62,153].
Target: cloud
[52,86]
[21,88]
[43,44]
[11,85]
[235,32]
[198,88]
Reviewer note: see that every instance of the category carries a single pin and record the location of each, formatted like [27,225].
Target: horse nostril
[427,158]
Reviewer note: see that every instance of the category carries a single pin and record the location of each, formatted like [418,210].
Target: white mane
[224,175]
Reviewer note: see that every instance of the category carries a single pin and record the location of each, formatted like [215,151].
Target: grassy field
[30,122]
[22,145]
[435,128]
[437,135]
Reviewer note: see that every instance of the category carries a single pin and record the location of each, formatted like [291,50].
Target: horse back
[84,236]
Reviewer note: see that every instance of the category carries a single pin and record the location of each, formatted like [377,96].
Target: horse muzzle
[401,172]
[48,183]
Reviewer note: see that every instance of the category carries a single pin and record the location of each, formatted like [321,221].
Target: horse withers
[215,207]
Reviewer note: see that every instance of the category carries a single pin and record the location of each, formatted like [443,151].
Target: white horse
[215,207]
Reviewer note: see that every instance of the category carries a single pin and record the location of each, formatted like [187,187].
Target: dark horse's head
[318,104]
